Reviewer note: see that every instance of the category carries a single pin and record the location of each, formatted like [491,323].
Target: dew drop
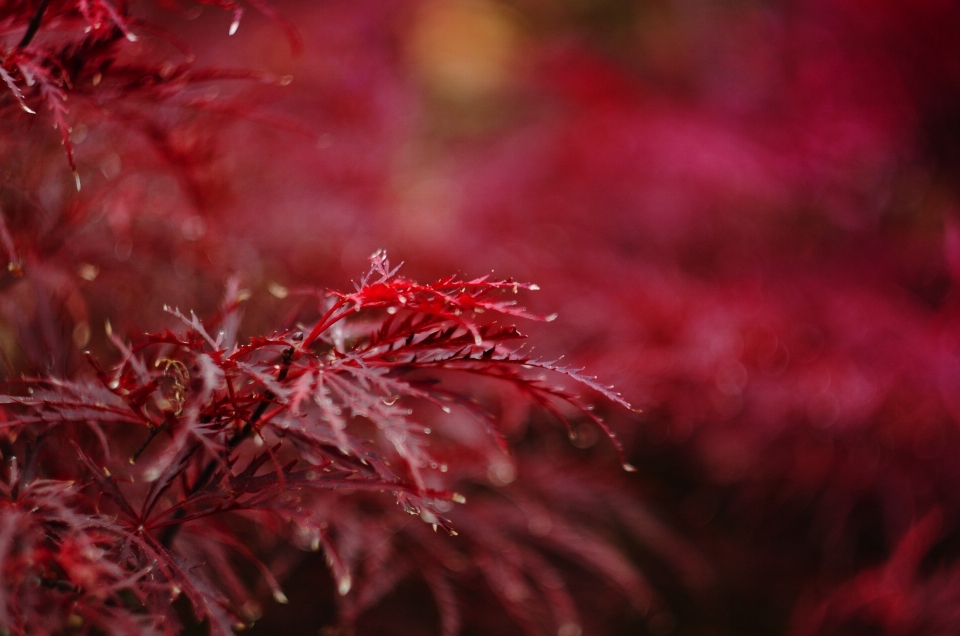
[501,473]
[88,272]
[569,629]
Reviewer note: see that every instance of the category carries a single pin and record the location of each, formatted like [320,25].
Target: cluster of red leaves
[190,431]
[68,48]
[128,99]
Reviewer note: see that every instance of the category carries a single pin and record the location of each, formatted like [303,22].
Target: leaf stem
[322,325]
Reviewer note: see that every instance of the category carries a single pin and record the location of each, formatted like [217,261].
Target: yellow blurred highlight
[464,50]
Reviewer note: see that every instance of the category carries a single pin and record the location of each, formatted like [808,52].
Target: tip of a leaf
[131,37]
[343,587]
[630,468]
[28,109]
[234,26]
[280,597]
[458,498]
[534,287]
[551,318]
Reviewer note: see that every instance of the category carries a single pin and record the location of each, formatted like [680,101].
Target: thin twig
[34,25]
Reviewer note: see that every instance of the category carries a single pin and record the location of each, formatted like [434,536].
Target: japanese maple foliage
[743,213]
[168,479]
[190,430]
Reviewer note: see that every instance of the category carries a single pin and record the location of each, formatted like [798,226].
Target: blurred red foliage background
[746,215]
